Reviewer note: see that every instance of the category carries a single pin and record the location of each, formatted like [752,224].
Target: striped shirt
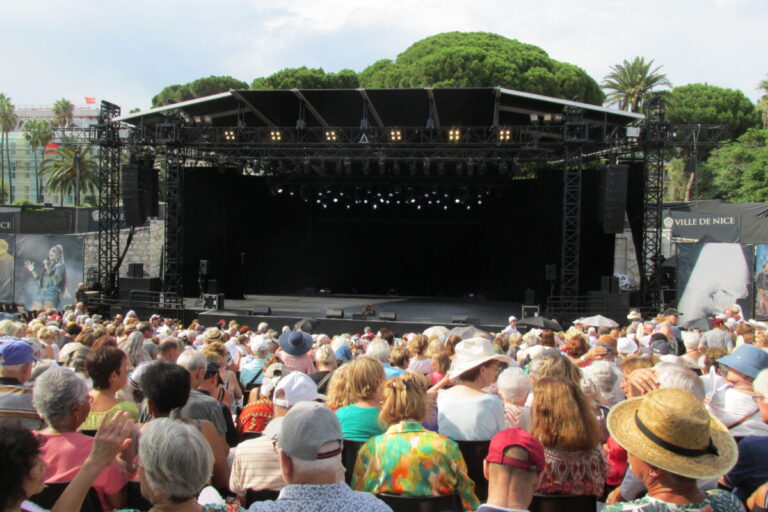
[16,403]
[256,464]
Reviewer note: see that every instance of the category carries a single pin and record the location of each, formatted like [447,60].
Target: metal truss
[173,269]
[108,139]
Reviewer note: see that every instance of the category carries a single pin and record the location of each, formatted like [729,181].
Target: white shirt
[469,418]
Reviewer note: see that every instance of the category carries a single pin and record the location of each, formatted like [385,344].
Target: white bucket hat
[471,353]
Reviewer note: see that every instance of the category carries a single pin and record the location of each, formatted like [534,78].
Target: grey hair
[192,360]
[681,378]
[605,377]
[56,392]
[690,340]
[76,358]
[324,354]
[378,348]
[530,339]
[10,328]
[176,458]
[134,346]
[760,384]
[514,385]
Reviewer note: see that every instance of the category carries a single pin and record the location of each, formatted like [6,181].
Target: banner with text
[694,226]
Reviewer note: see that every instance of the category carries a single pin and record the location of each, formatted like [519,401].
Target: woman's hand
[112,438]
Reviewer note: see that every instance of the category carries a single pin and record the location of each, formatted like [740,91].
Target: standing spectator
[717,336]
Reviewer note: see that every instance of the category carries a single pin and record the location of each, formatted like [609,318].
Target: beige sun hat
[672,430]
[471,353]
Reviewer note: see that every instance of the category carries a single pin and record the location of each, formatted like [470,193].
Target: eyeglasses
[275,445]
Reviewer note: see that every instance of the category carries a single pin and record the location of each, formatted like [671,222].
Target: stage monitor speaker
[614,198]
[149,180]
[135,270]
[458,318]
[213,301]
[203,268]
[334,313]
[359,316]
[388,315]
[260,311]
[213,286]
[530,296]
[128,284]
[609,284]
[133,198]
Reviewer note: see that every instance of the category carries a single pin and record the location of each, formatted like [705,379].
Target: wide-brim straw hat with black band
[672,430]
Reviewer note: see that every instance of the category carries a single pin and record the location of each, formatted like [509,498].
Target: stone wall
[146,248]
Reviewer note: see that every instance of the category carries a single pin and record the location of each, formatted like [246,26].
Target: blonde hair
[399,357]
[441,362]
[554,364]
[215,350]
[562,416]
[435,347]
[403,397]
[418,345]
[46,332]
[364,378]
[338,396]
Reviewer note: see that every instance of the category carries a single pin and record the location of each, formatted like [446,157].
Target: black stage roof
[324,108]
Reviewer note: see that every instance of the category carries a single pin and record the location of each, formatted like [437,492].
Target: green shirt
[359,423]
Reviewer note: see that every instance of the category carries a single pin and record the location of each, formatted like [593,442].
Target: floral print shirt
[716,501]
[410,460]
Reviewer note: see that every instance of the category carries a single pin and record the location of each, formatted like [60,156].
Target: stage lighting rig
[331,136]
[505,134]
[230,135]
[275,136]
[454,135]
[395,135]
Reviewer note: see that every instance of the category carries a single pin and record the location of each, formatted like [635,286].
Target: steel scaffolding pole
[109,197]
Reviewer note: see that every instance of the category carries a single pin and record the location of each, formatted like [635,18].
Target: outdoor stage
[412,313]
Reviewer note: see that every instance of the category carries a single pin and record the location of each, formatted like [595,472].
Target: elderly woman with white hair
[134,347]
[176,463]
[61,398]
[514,387]
[605,377]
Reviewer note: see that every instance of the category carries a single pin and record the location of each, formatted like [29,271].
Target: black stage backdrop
[265,244]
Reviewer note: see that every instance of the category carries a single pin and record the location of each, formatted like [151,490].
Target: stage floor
[417,311]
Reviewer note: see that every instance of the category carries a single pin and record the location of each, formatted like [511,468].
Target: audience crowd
[127,414]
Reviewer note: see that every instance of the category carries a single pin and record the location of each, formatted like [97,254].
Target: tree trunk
[689,186]
[37,174]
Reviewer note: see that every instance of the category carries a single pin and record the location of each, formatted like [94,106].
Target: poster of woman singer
[47,270]
[6,267]
[761,282]
[712,276]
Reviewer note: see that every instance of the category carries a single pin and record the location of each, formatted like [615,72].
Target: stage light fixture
[534,118]
[275,136]
[395,135]
[230,135]
[454,135]
[547,118]
[331,136]
[505,134]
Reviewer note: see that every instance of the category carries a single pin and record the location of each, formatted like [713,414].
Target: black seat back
[51,493]
[558,502]
[444,503]
[474,452]
[252,496]
[134,499]
[349,457]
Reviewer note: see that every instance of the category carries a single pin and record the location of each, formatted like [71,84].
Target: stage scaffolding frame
[492,155]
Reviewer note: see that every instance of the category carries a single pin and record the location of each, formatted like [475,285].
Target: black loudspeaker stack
[135,270]
[614,198]
[141,190]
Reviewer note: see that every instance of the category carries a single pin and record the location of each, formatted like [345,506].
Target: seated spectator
[62,400]
[23,471]
[565,422]
[465,411]
[252,367]
[200,406]
[326,365]
[338,394]
[417,346]
[514,388]
[514,468]
[176,463]
[212,386]
[294,346]
[606,379]
[672,441]
[576,346]
[16,360]
[167,391]
[407,459]
[553,364]
[379,349]
[400,358]
[441,363]
[360,420]
[258,413]
[133,346]
[256,465]
[309,446]
[108,370]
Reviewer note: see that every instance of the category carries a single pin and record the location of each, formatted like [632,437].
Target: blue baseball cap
[747,359]
[16,352]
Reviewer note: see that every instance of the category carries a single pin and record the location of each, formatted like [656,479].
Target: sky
[126,51]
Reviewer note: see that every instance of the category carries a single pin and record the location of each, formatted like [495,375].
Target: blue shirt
[751,470]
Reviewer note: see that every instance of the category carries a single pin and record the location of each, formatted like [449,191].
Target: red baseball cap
[516,437]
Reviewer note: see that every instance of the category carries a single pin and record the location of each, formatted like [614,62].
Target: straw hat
[670,429]
[471,353]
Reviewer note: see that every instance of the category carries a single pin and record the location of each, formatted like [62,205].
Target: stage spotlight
[395,135]
[505,134]
[229,135]
[454,135]
[331,136]
[547,118]
[534,118]
[275,136]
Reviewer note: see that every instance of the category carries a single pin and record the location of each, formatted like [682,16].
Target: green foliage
[307,78]
[676,180]
[709,104]
[738,171]
[134,110]
[71,171]
[629,83]
[63,111]
[481,59]
[196,89]
[22,202]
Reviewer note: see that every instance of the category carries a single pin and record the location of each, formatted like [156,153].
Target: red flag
[89,100]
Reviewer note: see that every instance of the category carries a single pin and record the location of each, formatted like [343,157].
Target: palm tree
[63,111]
[630,82]
[762,103]
[8,122]
[38,134]
[71,171]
